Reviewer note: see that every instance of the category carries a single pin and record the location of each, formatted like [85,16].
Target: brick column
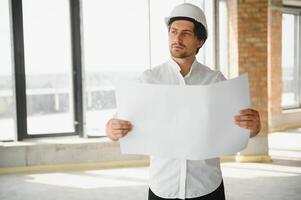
[274,61]
[249,39]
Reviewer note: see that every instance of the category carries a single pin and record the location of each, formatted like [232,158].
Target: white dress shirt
[180,178]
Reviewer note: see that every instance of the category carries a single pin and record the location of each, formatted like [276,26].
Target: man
[179,178]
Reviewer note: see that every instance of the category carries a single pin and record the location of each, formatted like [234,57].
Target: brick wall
[250,29]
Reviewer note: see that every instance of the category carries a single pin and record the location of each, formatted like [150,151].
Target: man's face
[182,39]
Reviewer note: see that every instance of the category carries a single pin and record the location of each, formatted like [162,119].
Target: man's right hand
[116,128]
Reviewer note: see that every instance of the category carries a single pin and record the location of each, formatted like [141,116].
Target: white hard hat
[190,11]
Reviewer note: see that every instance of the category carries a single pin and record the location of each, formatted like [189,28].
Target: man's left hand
[249,119]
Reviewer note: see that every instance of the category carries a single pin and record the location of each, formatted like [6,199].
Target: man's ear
[201,43]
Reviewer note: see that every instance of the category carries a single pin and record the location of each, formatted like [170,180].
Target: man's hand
[116,129]
[249,119]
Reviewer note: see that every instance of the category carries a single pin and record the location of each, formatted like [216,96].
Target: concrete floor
[249,181]
[279,180]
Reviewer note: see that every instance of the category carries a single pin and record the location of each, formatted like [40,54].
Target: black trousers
[218,194]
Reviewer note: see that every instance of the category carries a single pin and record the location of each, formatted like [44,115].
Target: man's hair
[199,29]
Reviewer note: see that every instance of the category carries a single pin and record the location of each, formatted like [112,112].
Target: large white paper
[183,121]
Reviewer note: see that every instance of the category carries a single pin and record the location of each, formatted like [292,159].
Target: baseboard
[283,128]
[230,158]
[74,167]
[253,158]
[117,164]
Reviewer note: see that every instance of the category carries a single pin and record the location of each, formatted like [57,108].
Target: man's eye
[187,33]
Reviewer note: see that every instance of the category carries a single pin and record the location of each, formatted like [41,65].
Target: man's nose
[178,38]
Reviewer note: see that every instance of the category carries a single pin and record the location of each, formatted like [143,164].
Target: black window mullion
[19,68]
[77,66]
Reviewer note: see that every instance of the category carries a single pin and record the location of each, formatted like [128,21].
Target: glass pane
[7,105]
[223,38]
[48,66]
[116,46]
[289,61]
[159,32]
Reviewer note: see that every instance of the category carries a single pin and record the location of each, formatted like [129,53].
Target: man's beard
[178,54]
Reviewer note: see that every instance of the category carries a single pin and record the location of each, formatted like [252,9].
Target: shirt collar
[175,66]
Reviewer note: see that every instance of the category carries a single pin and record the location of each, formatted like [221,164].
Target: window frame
[19,69]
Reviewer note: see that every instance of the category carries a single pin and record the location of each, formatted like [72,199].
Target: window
[7,106]
[109,41]
[47,49]
[291,65]
[115,38]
